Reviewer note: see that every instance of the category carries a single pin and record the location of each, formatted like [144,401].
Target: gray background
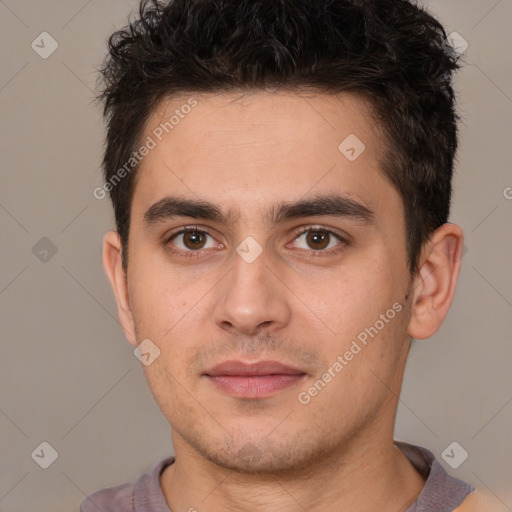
[67,375]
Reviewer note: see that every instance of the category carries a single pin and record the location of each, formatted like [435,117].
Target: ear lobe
[113,265]
[435,283]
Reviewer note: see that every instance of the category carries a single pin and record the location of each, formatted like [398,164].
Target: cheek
[365,313]
[348,299]
[362,370]
[164,300]
[171,391]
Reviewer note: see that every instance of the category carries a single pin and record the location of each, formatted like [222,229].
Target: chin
[288,457]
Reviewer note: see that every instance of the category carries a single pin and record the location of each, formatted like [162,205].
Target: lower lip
[259,386]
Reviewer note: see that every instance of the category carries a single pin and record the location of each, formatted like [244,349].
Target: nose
[252,299]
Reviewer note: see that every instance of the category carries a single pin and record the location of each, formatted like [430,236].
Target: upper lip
[239,368]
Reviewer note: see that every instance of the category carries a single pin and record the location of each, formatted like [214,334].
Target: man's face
[254,287]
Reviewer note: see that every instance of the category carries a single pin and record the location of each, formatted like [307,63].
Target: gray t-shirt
[441,493]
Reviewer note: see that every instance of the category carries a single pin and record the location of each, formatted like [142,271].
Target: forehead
[247,149]
[256,117]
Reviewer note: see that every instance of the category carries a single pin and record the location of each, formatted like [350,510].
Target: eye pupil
[196,239]
[318,237]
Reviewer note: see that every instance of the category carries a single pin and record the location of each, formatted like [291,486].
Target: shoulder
[110,499]
[478,501]
[142,494]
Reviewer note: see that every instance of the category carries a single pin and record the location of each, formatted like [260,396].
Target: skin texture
[248,153]
[479,501]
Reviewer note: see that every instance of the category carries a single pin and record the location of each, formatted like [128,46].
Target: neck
[372,475]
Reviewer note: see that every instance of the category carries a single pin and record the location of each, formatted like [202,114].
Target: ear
[434,284]
[113,265]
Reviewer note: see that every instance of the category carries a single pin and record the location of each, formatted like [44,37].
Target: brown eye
[189,240]
[194,240]
[318,239]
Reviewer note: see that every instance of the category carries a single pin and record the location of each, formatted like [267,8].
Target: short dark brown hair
[390,51]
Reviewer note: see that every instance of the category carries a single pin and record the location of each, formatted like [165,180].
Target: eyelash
[310,253]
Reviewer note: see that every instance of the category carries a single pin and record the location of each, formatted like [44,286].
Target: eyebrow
[331,205]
